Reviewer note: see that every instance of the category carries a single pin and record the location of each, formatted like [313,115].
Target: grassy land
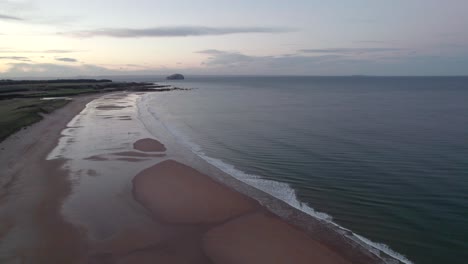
[56,88]
[21,112]
[19,91]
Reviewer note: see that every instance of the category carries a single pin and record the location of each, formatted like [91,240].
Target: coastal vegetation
[56,88]
[21,112]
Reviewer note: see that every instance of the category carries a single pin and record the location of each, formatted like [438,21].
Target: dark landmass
[9,82]
[22,104]
[57,88]
[176,76]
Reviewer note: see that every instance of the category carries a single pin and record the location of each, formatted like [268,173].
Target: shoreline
[332,246]
[26,170]
[294,212]
[306,218]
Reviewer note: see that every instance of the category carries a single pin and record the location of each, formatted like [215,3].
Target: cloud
[177,31]
[52,70]
[46,20]
[52,51]
[60,51]
[238,63]
[32,13]
[17,58]
[5,17]
[362,20]
[17,5]
[24,69]
[226,58]
[210,52]
[9,8]
[66,59]
[370,41]
[227,62]
[349,50]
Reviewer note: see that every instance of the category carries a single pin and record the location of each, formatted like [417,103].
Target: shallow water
[384,157]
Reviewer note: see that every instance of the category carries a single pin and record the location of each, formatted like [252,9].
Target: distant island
[176,76]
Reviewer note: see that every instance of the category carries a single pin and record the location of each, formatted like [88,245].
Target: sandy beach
[32,191]
[91,185]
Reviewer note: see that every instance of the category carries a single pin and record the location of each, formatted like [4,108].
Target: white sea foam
[276,189]
[384,248]
[279,190]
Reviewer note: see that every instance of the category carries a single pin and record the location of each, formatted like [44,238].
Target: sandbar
[177,193]
[149,145]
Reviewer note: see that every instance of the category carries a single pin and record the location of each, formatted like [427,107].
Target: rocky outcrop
[176,76]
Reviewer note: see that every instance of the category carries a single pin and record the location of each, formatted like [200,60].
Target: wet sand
[176,193]
[60,241]
[264,238]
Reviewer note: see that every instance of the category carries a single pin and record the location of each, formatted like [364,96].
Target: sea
[384,157]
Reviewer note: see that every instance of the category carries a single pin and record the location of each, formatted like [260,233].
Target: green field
[18,113]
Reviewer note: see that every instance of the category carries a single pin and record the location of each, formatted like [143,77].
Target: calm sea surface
[384,157]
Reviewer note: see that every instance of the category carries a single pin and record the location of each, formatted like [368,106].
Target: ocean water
[386,157]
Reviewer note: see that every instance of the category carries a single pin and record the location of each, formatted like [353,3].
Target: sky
[57,38]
